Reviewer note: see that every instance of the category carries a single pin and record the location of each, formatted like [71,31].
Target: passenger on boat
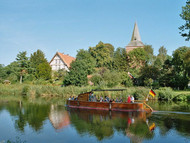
[121,100]
[101,99]
[113,101]
[132,99]
[90,96]
[129,99]
[70,98]
[107,98]
[73,98]
[116,100]
[94,98]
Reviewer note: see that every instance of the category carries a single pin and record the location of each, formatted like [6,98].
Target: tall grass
[51,92]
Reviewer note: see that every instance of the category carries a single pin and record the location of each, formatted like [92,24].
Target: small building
[61,61]
[135,40]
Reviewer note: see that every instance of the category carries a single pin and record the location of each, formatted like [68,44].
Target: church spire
[136,36]
[135,40]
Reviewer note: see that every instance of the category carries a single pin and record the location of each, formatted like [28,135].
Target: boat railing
[148,106]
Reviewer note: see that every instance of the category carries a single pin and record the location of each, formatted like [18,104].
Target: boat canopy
[108,90]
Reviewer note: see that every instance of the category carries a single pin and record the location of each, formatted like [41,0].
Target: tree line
[109,67]
[104,66]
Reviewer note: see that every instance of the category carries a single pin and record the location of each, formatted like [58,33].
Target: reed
[53,93]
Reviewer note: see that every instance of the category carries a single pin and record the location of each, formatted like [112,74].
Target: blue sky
[69,25]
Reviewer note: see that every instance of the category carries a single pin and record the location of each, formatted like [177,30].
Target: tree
[161,57]
[77,75]
[180,78]
[149,51]
[120,60]
[185,15]
[103,54]
[187,62]
[44,71]
[137,58]
[23,64]
[40,65]
[88,60]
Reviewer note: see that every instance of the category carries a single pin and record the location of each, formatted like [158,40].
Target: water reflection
[103,124]
[49,120]
[59,117]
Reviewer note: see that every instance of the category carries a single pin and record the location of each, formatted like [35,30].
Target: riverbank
[51,92]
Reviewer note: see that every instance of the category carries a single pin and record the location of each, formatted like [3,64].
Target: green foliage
[96,79]
[148,82]
[88,60]
[103,54]
[165,93]
[111,78]
[120,60]
[185,15]
[182,97]
[25,90]
[77,75]
[43,71]
[126,80]
[137,58]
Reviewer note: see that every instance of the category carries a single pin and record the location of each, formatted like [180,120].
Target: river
[53,123]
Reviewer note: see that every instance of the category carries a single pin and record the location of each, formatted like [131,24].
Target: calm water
[50,123]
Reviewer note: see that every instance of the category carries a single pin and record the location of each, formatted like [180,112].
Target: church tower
[135,40]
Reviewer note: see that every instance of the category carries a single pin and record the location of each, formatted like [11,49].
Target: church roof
[136,38]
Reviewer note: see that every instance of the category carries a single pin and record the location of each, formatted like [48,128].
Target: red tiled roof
[66,58]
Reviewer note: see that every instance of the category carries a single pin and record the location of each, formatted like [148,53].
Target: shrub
[165,93]
[25,90]
[182,97]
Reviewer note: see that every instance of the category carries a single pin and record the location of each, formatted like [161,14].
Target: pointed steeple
[135,40]
[136,35]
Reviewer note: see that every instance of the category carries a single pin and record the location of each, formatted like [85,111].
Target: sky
[69,25]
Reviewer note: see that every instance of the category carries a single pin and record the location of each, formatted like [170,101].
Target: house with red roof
[61,61]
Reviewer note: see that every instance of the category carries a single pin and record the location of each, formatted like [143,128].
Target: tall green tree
[40,65]
[185,15]
[77,75]
[23,64]
[88,60]
[161,57]
[44,71]
[150,55]
[103,54]
[180,79]
[120,60]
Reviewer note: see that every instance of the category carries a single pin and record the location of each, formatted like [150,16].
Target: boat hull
[107,106]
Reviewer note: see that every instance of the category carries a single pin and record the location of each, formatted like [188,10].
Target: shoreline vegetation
[56,93]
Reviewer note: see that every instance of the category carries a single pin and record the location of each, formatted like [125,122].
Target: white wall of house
[57,64]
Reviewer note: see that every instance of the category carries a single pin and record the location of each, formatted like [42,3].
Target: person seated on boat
[73,98]
[70,98]
[107,98]
[101,99]
[129,99]
[90,97]
[116,100]
[113,101]
[121,100]
[94,98]
[132,99]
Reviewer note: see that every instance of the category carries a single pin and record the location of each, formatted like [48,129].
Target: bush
[182,97]
[25,90]
[166,93]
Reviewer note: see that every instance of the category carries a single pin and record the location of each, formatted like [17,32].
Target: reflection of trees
[102,124]
[32,114]
[168,121]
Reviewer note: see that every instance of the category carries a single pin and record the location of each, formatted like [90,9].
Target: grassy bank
[51,92]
